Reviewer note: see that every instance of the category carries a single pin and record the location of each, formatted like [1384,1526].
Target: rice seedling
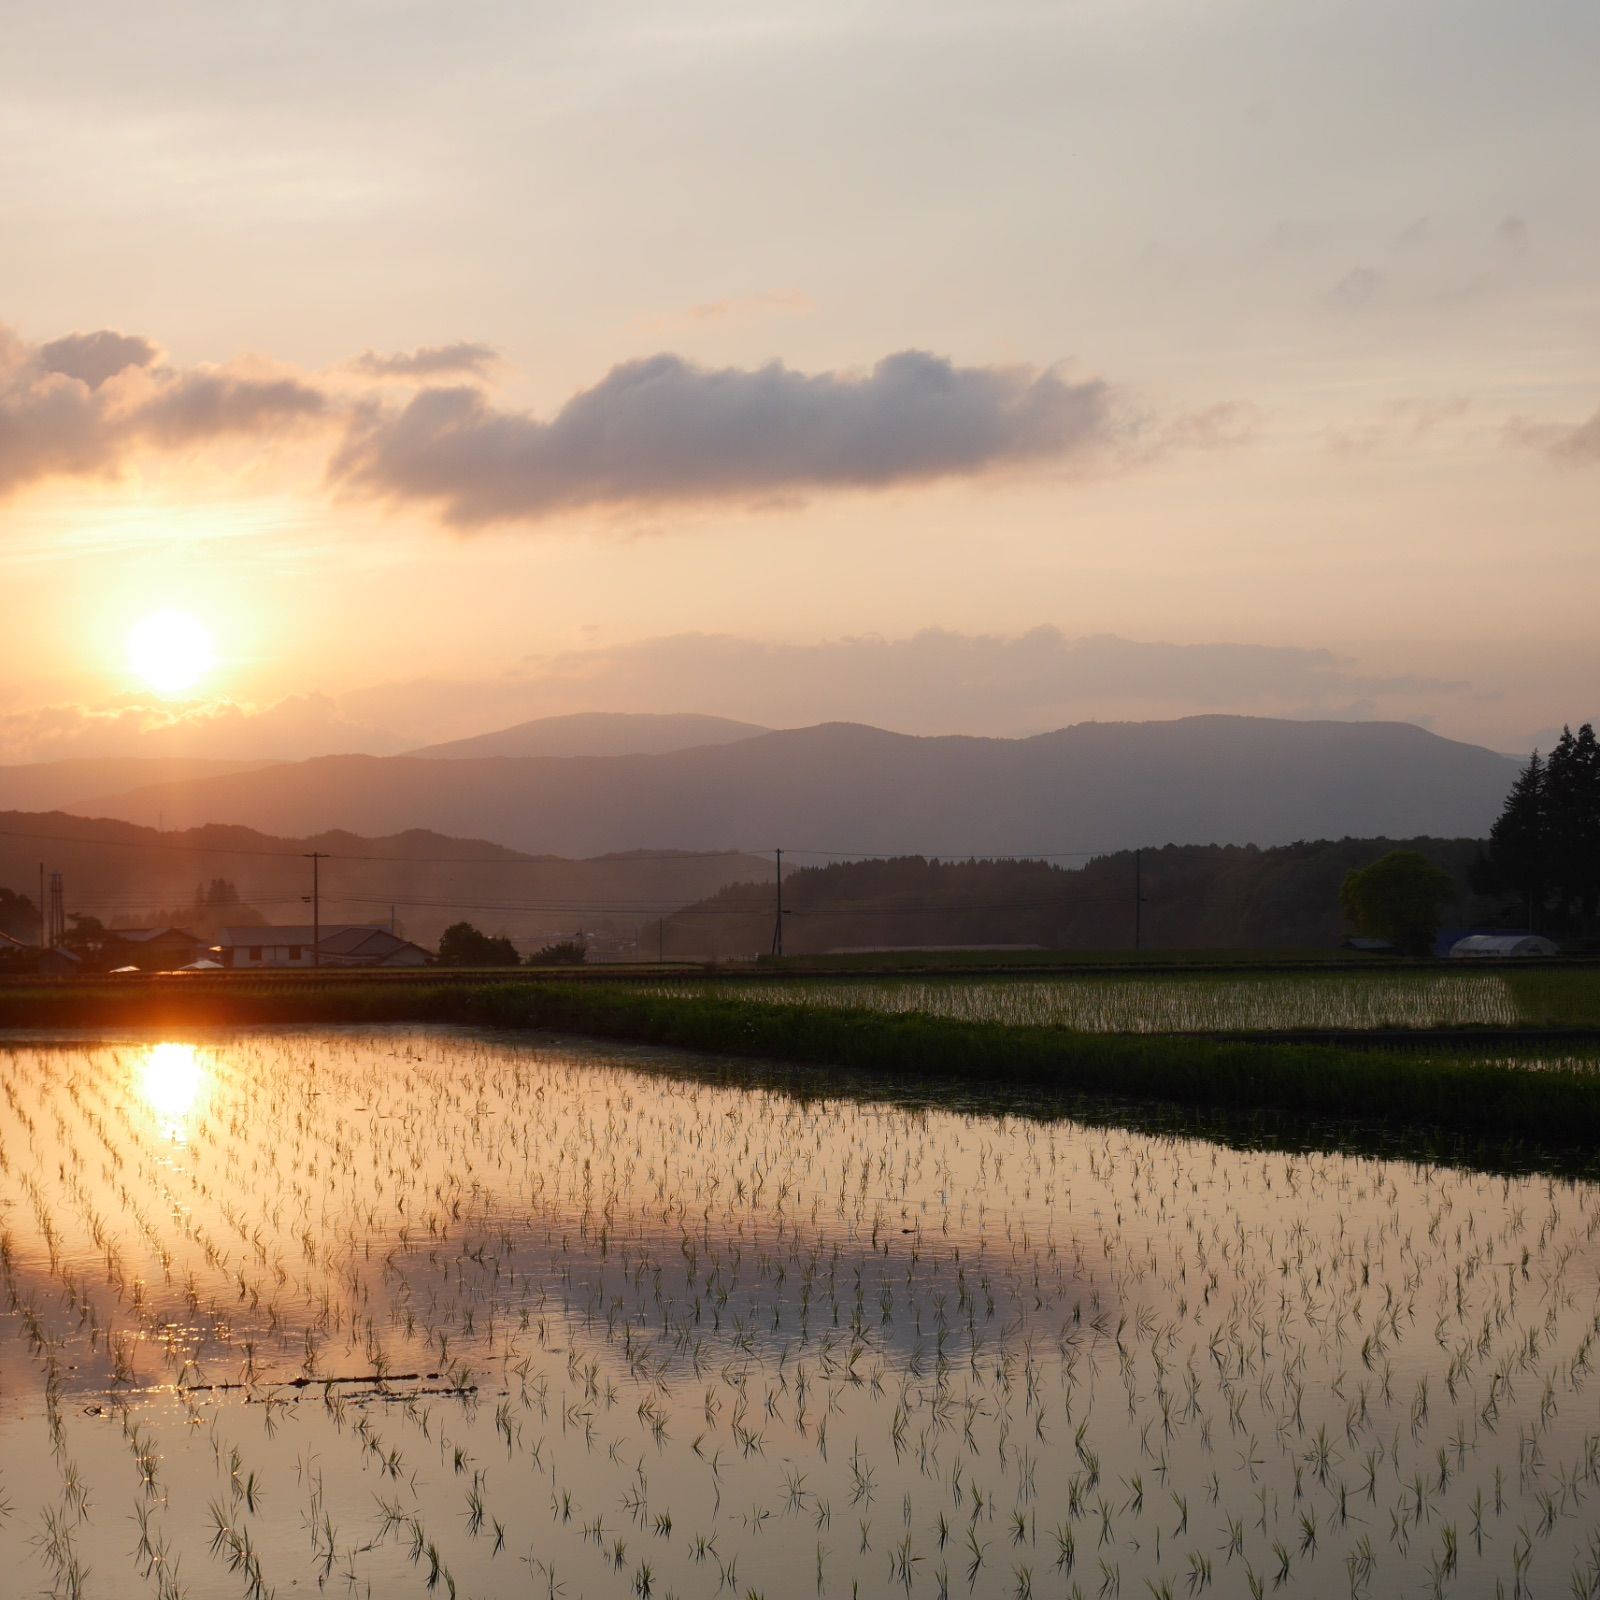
[383,1291]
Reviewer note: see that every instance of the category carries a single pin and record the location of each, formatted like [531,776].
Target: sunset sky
[956,368]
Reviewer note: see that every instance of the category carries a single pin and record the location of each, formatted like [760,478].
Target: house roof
[149,935]
[362,941]
[293,933]
[1503,944]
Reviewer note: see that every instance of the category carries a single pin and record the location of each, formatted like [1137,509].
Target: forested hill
[1194,897]
[124,875]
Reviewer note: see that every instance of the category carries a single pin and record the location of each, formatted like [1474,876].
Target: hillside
[597,733]
[59,785]
[841,787]
[122,873]
[1195,897]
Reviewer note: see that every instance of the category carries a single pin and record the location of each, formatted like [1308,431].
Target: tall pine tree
[1572,821]
[1517,860]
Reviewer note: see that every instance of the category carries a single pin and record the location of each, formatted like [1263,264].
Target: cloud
[1575,444]
[1417,232]
[77,406]
[1512,232]
[653,433]
[1224,426]
[751,305]
[663,430]
[1357,289]
[463,358]
[292,728]
[1401,422]
[208,402]
[93,357]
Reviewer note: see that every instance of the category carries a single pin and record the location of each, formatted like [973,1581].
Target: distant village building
[58,963]
[1501,946]
[153,949]
[342,944]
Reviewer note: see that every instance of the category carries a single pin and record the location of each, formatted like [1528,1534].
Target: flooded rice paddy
[413,1312]
[1168,1003]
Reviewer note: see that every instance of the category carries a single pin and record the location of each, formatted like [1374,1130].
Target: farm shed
[1500,946]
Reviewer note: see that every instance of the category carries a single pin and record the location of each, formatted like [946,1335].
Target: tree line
[1543,851]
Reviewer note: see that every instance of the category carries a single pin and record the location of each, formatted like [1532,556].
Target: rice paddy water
[424,1311]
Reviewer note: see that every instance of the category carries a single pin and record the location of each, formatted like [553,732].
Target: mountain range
[598,733]
[847,789]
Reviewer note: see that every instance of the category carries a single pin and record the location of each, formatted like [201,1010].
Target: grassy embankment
[1547,1108]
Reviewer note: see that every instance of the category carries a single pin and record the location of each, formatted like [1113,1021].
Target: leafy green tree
[462,945]
[1401,897]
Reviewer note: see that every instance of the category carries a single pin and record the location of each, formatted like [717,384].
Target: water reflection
[780,1342]
[172,1079]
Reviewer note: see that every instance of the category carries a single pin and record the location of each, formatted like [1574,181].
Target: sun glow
[170,651]
[171,1078]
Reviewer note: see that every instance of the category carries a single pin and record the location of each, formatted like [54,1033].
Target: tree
[19,916]
[1517,860]
[1572,819]
[462,945]
[1400,897]
[563,953]
[87,935]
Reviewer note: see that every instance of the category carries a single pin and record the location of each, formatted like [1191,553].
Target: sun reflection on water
[172,1078]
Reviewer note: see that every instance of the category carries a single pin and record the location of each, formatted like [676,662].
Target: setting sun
[171,1078]
[171,651]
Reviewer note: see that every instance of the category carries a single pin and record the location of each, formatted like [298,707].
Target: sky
[956,368]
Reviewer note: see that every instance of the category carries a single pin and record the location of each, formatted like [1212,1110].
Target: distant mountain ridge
[597,733]
[852,789]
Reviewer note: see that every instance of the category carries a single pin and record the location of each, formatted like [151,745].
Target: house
[371,947]
[58,962]
[342,944]
[1501,946]
[154,949]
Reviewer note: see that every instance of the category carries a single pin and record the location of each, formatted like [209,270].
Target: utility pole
[44,937]
[1138,905]
[316,858]
[661,940]
[777,926]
